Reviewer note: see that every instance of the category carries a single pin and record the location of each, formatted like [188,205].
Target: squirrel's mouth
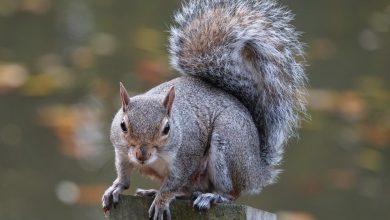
[142,161]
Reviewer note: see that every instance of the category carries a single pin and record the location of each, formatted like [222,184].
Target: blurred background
[60,64]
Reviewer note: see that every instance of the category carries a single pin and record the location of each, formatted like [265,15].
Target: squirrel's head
[146,125]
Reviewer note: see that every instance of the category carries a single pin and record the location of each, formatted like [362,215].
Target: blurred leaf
[343,179]
[322,48]
[378,135]
[83,58]
[91,194]
[295,215]
[8,7]
[100,88]
[36,6]
[12,76]
[104,44]
[322,100]
[370,159]
[149,40]
[351,105]
[151,71]
[311,185]
[44,84]
[64,122]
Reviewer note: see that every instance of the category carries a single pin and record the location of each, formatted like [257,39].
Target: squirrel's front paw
[160,207]
[111,196]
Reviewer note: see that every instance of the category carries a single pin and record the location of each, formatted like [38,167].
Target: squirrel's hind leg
[232,166]
[219,174]
[203,201]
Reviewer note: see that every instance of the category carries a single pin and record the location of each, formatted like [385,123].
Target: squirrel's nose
[142,154]
[142,150]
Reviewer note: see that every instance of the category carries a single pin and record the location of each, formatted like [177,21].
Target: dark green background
[60,64]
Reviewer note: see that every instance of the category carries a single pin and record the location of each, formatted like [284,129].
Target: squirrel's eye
[123,126]
[166,129]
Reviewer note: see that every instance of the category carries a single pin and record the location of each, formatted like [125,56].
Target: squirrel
[218,130]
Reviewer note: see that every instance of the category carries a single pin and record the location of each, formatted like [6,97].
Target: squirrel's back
[194,95]
[249,49]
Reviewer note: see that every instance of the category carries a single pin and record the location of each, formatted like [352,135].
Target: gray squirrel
[219,130]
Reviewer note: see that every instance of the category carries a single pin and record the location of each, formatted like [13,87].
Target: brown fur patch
[150,172]
[212,31]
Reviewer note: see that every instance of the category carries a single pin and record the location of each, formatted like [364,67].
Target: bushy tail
[249,49]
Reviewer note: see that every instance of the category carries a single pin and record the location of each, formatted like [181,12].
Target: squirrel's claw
[106,202]
[159,213]
[106,211]
[159,210]
[111,197]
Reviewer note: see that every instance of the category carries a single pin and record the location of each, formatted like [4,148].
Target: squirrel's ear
[124,97]
[168,101]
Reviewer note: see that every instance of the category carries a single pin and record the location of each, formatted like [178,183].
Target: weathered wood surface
[136,208]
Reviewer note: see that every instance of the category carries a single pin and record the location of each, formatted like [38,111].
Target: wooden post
[136,208]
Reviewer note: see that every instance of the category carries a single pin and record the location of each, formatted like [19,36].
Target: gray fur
[232,113]
[270,83]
